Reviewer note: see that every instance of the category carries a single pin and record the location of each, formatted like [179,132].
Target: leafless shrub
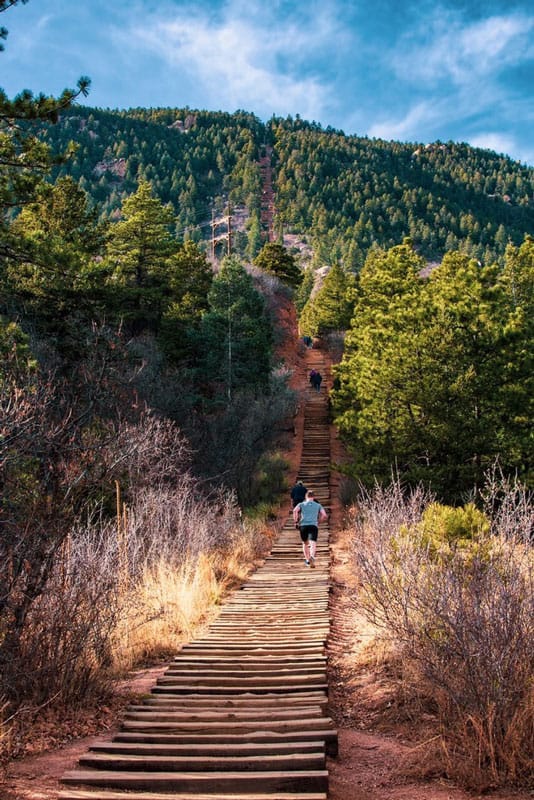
[464,617]
[268,284]
[227,447]
[65,648]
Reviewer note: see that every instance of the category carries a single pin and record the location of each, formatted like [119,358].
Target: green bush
[452,527]
[270,477]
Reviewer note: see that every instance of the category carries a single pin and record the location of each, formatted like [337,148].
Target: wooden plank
[278,726]
[262,716]
[309,780]
[238,688]
[110,794]
[266,700]
[329,736]
[196,750]
[204,763]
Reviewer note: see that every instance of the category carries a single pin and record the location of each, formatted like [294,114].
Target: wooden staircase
[241,713]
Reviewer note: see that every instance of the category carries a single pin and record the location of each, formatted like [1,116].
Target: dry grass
[462,619]
[125,592]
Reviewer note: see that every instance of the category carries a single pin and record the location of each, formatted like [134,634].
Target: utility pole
[222,237]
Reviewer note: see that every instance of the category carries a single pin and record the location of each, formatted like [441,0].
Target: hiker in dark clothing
[298,493]
[315,380]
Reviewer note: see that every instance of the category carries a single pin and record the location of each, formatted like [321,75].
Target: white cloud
[245,57]
[416,119]
[500,142]
[503,143]
[464,52]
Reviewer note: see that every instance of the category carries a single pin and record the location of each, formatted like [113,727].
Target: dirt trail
[369,764]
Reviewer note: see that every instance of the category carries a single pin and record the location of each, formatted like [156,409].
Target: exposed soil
[371,764]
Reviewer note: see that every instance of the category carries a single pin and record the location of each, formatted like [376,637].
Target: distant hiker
[308,341]
[307,515]
[298,493]
[315,380]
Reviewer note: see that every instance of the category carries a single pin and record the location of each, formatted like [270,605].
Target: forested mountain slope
[344,193]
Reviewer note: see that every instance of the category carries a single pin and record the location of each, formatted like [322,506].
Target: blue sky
[413,70]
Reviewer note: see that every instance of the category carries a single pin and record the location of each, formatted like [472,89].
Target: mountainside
[342,193]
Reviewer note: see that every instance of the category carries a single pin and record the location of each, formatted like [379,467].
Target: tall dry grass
[460,611]
[125,591]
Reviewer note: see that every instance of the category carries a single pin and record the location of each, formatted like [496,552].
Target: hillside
[343,194]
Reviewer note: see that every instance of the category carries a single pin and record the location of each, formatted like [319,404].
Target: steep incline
[240,713]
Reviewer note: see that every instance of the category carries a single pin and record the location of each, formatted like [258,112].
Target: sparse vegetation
[452,590]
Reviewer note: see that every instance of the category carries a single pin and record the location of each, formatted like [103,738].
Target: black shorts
[309,533]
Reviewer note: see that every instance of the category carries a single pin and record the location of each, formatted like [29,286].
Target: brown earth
[372,762]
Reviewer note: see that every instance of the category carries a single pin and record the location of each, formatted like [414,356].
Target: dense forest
[343,194]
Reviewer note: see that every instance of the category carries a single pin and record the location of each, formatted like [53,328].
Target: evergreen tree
[60,277]
[236,333]
[274,258]
[191,277]
[305,289]
[331,308]
[429,384]
[138,250]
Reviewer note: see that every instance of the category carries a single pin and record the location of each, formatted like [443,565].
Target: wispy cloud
[243,56]
[417,118]
[499,142]
[454,74]
[448,48]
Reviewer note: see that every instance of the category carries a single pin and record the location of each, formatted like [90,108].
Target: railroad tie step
[204,763]
[326,735]
[230,782]
[74,793]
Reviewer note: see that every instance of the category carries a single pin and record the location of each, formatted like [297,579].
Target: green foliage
[451,526]
[305,289]
[331,308]
[193,159]
[270,477]
[350,193]
[236,333]
[346,193]
[137,255]
[16,358]
[191,277]
[274,258]
[430,382]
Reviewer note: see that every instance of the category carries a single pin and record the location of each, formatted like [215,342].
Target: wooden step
[328,736]
[205,762]
[261,715]
[243,748]
[292,780]
[109,794]
[241,726]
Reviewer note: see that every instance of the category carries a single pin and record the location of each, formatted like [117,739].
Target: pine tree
[191,277]
[236,333]
[331,308]
[274,258]
[138,250]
